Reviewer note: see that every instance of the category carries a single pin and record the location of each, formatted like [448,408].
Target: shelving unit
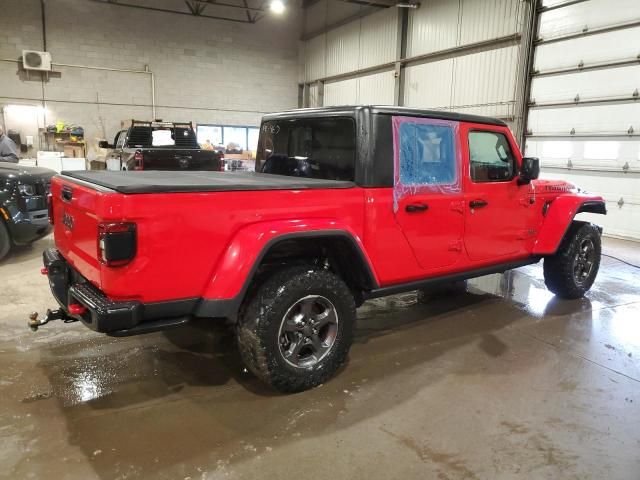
[62,142]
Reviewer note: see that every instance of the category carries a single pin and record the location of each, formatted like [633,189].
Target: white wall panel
[622,221]
[590,15]
[608,162]
[378,38]
[359,44]
[344,92]
[474,83]
[343,49]
[617,45]
[486,77]
[608,154]
[502,110]
[442,24]
[314,56]
[314,100]
[487,19]
[429,85]
[594,84]
[376,89]
[432,27]
[599,119]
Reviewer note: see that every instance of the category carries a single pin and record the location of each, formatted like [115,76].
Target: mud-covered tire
[259,333]
[563,272]
[5,240]
[429,294]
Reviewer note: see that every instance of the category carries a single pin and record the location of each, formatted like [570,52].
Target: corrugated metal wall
[376,88]
[584,121]
[483,82]
[363,43]
[450,61]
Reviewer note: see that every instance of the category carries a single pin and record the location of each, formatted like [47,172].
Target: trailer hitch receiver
[51,315]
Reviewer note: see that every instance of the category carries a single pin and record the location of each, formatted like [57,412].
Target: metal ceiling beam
[246,9]
[230,5]
[179,12]
[195,8]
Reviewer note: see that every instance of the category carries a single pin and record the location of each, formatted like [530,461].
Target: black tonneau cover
[154,181]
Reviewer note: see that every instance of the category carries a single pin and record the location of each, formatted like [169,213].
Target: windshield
[313,148]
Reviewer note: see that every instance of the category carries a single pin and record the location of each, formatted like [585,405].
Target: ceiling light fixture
[277,6]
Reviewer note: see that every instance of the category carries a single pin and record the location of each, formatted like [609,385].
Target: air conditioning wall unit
[34,60]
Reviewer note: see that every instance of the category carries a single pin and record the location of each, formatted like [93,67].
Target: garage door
[584,114]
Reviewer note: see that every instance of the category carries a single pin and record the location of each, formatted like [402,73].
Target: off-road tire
[429,294]
[258,326]
[559,268]
[5,240]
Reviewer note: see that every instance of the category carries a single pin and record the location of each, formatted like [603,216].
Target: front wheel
[570,273]
[296,330]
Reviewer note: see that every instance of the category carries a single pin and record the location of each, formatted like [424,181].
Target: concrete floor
[500,382]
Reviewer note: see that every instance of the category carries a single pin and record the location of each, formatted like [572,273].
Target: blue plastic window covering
[426,154]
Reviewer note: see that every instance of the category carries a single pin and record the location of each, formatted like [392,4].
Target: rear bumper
[121,318]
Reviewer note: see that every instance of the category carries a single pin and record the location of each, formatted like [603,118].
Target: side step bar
[151,326]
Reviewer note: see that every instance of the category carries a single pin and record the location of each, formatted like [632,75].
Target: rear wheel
[570,273]
[296,331]
[5,240]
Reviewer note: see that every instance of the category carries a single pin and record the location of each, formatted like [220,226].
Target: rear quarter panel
[183,236]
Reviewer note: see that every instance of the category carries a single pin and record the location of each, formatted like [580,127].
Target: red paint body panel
[205,244]
[188,241]
[561,212]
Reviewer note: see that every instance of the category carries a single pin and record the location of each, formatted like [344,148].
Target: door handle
[478,203]
[416,207]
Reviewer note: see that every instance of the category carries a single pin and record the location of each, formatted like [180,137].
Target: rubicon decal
[67,220]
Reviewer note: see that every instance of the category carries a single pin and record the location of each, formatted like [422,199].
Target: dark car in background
[24,213]
[161,146]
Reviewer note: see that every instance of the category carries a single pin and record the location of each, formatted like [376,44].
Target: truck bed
[199,181]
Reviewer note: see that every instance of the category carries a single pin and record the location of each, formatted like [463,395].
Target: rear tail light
[50,207]
[117,243]
[138,157]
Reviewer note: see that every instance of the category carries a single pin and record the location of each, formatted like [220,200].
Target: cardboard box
[73,151]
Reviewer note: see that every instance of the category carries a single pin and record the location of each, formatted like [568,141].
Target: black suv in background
[24,213]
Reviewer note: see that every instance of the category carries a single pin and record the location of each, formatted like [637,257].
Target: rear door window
[312,148]
[426,154]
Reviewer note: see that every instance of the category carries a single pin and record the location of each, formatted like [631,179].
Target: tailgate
[76,210]
[180,159]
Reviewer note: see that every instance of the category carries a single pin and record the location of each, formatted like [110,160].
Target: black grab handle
[416,207]
[478,203]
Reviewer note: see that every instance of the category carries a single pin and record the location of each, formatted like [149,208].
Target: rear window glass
[312,148]
[146,137]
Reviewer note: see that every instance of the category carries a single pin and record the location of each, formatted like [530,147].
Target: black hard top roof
[385,110]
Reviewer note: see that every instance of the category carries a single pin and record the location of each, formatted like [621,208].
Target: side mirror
[530,170]
[104,144]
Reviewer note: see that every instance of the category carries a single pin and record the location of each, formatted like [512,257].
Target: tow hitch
[51,315]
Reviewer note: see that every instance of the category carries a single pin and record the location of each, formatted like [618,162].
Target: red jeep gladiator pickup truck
[348,203]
